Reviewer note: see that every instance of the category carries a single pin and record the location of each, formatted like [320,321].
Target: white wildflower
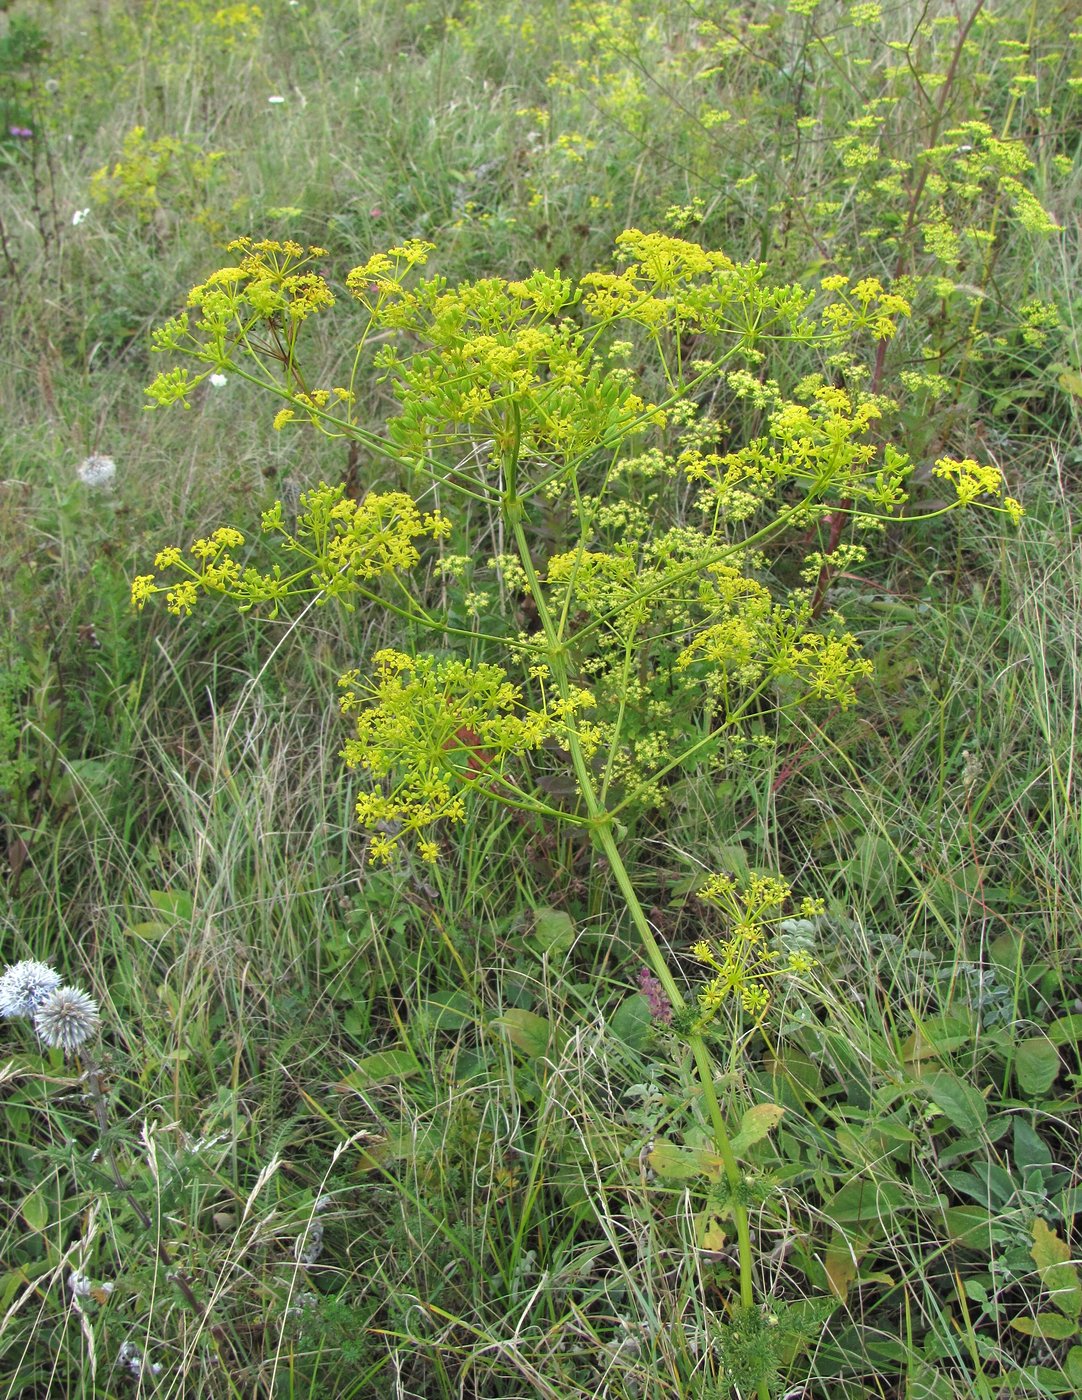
[24,986]
[96,470]
[79,216]
[276,100]
[66,1019]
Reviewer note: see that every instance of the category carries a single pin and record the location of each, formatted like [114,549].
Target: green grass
[451,1070]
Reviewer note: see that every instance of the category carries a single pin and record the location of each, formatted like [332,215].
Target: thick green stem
[600,826]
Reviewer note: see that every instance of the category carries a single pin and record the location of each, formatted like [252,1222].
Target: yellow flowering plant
[628,625]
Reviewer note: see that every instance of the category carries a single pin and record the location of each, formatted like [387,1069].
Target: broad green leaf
[962,1105]
[1051,1326]
[553,931]
[1030,1149]
[969,1226]
[528,1032]
[630,1022]
[924,1382]
[755,1125]
[1072,1367]
[10,1284]
[177,903]
[1036,1065]
[1052,1257]
[35,1210]
[794,1075]
[1066,1030]
[864,1201]
[450,1010]
[384,1067]
[937,1036]
[151,930]
[675,1163]
[876,868]
[413,1143]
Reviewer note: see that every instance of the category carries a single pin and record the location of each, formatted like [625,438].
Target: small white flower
[96,470]
[78,217]
[66,1019]
[276,100]
[24,986]
[218,380]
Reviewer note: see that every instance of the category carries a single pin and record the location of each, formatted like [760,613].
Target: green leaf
[630,1022]
[1051,1326]
[1072,1367]
[151,931]
[1030,1149]
[384,1067]
[1036,1065]
[755,1125]
[553,931]
[1052,1258]
[864,1201]
[1066,1030]
[35,1210]
[962,1105]
[924,1382]
[675,1163]
[937,1036]
[528,1032]
[10,1283]
[449,1010]
[969,1226]
[176,903]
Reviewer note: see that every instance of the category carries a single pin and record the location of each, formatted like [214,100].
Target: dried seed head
[96,470]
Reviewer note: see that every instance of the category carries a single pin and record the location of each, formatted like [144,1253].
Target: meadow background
[327,1088]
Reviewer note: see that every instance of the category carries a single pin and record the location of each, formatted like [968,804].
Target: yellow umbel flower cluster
[973,481]
[340,547]
[430,730]
[742,963]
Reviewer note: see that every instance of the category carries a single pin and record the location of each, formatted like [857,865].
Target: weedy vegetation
[539,699]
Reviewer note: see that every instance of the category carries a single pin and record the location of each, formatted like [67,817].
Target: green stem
[601,834]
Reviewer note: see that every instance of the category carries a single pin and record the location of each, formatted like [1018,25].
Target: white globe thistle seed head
[66,1019]
[24,986]
[96,470]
